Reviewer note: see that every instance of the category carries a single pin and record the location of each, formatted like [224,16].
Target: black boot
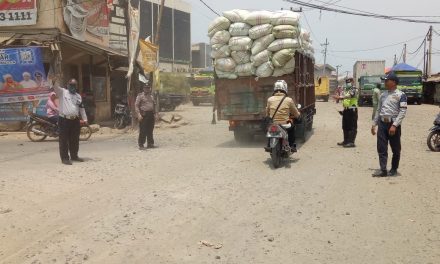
[345,139]
[350,139]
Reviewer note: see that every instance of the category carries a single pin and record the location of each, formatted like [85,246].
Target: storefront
[92,65]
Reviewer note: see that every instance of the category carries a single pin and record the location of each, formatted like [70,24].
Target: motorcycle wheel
[33,136]
[119,122]
[276,155]
[434,141]
[85,133]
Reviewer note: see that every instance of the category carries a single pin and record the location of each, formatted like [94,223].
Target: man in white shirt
[27,81]
[70,109]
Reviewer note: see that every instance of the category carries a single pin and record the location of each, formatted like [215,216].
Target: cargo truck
[202,88]
[410,82]
[322,89]
[367,75]
[242,102]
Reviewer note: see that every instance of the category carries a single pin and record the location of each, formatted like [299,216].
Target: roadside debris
[5,211]
[209,244]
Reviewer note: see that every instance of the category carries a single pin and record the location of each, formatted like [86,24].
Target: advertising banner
[18,12]
[149,55]
[23,84]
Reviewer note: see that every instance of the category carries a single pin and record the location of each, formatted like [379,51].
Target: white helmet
[280,85]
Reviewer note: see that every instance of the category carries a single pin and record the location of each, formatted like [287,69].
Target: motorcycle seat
[287,126]
[39,116]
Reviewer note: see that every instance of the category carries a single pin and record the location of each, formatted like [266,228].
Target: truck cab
[322,89]
[366,87]
[410,82]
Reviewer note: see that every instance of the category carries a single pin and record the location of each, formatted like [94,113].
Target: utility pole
[337,74]
[156,42]
[429,52]
[325,45]
[395,59]
[346,72]
[404,53]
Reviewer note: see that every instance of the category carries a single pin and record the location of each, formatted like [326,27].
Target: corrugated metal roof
[89,47]
[5,36]
[434,78]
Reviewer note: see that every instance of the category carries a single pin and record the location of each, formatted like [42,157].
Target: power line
[310,28]
[215,12]
[378,48]
[360,13]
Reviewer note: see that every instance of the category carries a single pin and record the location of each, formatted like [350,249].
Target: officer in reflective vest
[349,114]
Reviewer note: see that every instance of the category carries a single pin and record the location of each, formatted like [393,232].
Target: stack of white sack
[259,43]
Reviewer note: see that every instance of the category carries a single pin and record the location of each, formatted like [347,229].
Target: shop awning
[88,47]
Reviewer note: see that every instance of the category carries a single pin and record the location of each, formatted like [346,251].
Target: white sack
[259,31]
[280,58]
[287,69]
[218,24]
[262,44]
[226,75]
[245,69]
[240,43]
[258,18]
[221,37]
[225,64]
[261,58]
[285,31]
[236,15]
[239,29]
[265,70]
[285,17]
[280,44]
[220,51]
[241,57]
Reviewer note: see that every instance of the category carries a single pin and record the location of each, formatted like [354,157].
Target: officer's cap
[392,77]
[349,80]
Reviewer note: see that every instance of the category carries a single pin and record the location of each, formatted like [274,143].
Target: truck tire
[326,99]
[243,136]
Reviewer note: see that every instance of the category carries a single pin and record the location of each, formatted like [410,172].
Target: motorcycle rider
[285,111]
[52,108]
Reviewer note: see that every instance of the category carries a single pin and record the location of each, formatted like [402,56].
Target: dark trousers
[349,124]
[291,134]
[69,138]
[146,127]
[383,138]
[53,119]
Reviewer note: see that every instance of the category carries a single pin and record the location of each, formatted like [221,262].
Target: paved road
[128,206]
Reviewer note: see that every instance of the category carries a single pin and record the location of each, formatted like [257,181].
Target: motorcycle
[122,116]
[433,140]
[40,127]
[279,148]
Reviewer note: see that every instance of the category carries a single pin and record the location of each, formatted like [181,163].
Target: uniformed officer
[349,114]
[145,112]
[389,116]
[70,109]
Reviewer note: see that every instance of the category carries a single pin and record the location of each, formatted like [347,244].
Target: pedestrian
[52,108]
[389,116]
[70,108]
[349,114]
[145,112]
[375,100]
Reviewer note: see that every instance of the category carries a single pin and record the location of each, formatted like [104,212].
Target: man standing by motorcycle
[145,112]
[349,114]
[70,109]
[286,109]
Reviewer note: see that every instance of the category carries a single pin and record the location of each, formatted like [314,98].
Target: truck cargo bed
[243,101]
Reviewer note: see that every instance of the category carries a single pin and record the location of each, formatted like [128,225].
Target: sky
[345,32]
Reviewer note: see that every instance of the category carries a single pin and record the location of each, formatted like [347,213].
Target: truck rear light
[273,129]
[233,123]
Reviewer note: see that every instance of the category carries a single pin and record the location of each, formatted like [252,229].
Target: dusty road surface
[129,206]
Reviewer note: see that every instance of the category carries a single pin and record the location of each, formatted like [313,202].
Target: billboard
[18,13]
[23,84]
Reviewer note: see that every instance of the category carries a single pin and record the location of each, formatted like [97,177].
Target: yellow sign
[149,55]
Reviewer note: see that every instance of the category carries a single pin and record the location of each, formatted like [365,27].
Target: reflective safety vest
[350,99]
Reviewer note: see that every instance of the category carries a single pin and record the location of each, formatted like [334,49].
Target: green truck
[366,86]
[410,82]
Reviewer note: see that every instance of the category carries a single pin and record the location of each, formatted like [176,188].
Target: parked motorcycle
[279,148]
[434,136]
[122,116]
[39,128]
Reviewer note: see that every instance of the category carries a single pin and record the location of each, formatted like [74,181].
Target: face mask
[349,85]
[72,88]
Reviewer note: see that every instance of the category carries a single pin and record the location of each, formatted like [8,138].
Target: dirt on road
[201,198]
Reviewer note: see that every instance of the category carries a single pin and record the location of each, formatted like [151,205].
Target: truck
[410,82]
[202,88]
[367,75]
[367,84]
[242,101]
[322,89]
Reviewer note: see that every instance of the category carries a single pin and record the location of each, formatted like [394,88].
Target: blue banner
[23,83]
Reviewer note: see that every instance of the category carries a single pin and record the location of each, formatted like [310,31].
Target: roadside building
[201,56]
[73,38]
[175,33]
[431,89]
